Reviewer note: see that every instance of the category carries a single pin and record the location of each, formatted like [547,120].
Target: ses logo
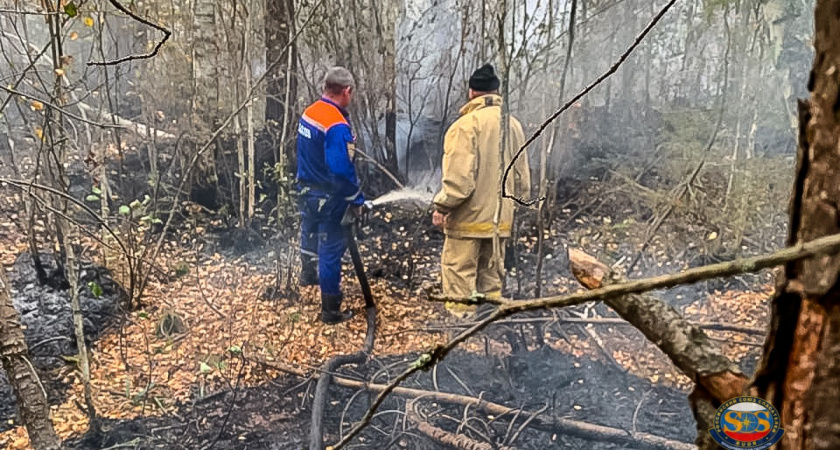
[746,422]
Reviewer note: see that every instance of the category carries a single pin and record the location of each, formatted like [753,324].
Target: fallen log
[684,343]
[139,128]
[717,379]
[452,440]
[551,424]
[575,428]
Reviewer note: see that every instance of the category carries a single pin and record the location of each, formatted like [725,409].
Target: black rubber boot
[308,271]
[331,313]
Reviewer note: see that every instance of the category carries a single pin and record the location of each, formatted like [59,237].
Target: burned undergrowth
[559,364]
[547,382]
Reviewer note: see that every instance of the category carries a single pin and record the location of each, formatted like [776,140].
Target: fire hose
[350,223]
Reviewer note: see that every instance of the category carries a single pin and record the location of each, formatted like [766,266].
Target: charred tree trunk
[281,88]
[799,371]
[31,398]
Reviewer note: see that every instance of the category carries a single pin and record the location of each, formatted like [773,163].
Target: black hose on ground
[319,403]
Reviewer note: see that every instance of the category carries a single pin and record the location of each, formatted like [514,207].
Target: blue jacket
[326,151]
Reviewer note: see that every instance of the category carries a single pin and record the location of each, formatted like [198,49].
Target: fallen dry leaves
[137,371]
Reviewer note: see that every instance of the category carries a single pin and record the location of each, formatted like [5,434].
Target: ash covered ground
[565,374]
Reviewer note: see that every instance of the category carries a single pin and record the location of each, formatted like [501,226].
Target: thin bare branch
[28,13]
[25,185]
[152,54]
[382,168]
[58,108]
[577,97]
[546,422]
[826,245]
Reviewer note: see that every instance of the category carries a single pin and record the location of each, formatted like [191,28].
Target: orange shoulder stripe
[323,115]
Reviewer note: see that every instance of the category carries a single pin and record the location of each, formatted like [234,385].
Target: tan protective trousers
[468,265]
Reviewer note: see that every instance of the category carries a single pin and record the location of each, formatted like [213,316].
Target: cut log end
[587,270]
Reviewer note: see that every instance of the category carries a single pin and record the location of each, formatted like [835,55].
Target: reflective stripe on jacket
[471,171]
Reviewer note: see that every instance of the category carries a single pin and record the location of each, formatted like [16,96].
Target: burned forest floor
[222,349]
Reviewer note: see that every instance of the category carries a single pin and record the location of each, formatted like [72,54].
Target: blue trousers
[321,234]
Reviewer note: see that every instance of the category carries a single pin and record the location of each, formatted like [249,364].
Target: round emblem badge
[746,422]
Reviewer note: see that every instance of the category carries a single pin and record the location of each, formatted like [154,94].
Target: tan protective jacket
[472,173]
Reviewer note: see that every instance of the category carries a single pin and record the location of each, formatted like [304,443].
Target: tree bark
[281,88]
[799,371]
[717,379]
[206,99]
[31,397]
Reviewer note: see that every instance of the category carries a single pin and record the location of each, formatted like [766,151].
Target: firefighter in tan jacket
[466,205]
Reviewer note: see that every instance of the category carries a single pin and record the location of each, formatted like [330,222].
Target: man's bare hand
[439,219]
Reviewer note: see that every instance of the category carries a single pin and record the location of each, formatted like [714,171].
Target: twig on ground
[48,341]
[463,385]
[511,424]
[638,407]
[525,424]
[464,419]
[457,441]
[466,424]
[601,345]
[344,412]
[551,424]
[823,245]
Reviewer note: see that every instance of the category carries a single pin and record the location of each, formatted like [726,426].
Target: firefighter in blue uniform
[328,186]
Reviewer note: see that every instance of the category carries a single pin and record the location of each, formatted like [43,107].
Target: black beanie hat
[484,79]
